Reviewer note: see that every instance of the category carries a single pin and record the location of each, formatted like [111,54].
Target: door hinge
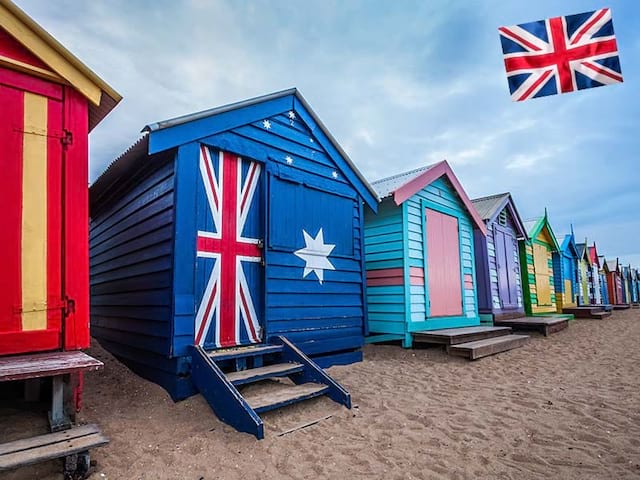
[66,138]
[69,306]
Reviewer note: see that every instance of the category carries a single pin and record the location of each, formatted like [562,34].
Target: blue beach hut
[226,248]
[565,272]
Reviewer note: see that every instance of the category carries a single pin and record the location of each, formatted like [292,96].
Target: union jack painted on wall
[560,55]
[229,252]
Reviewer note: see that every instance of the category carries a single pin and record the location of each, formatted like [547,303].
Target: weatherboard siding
[383,246]
[530,286]
[131,248]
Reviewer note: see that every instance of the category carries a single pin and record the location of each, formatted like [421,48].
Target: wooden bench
[77,440]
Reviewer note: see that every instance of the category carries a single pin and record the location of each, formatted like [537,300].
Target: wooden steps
[454,336]
[263,373]
[587,312]
[488,346]
[285,395]
[219,375]
[473,342]
[32,450]
[544,325]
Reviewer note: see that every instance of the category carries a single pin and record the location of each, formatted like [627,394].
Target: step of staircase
[253,375]
[455,336]
[243,352]
[621,306]
[600,315]
[285,395]
[544,325]
[488,346]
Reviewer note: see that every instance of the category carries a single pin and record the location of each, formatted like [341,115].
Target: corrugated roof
[386,186]
[488,206]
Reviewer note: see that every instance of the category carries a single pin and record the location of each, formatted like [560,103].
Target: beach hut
[565,273]
[226,247]
[604,270]
[635,285]
[584,264]
[420,262]
[595,294]
[614,282]
[536,264]
[496,257]
[625,276]
[49,102]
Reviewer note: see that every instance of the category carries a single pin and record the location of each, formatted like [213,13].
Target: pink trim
[413,186]
[416,276]
[468,281]
[386,272]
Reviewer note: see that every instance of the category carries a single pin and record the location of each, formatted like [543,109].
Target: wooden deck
[544,325]
[454,336]
[587,311]
[32,450]
[622,306]
[38,365]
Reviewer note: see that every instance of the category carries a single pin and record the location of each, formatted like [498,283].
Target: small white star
[266,124]
[316,255]
[311,140]
[334,174]
[292,115]
[289,159]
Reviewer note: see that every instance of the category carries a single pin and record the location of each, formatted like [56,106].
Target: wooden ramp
[595,312]
[472,342]
[544,325]
[240,383]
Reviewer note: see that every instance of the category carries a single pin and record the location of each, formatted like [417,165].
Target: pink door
[443,264]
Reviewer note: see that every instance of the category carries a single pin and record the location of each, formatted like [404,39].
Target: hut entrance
[230,241]
[506,265]
[541,266]
[443,264]
[31,305]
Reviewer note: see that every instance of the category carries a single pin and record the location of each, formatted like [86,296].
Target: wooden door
[443,264]
[31,306]
[229,271]
[541,267]
[506,265]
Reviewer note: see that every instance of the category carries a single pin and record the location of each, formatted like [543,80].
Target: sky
[399,84]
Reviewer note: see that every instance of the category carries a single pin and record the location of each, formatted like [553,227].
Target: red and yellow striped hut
[49,102]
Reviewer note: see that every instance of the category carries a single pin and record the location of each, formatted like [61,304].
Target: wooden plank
[50,451]
[47,439]
[452,336]
[233,353]
[489,346]
[285,396]
[46,365]
[262,373]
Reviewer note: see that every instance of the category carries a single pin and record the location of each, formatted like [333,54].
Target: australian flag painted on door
[229,271]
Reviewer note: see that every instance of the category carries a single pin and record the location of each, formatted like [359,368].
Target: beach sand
[565,407]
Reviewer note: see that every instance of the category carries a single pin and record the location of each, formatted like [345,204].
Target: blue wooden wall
[131,272]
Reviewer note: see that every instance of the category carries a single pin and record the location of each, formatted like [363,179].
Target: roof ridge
[424,167]
[495,195]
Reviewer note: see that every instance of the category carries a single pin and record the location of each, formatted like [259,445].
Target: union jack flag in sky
[227,305]
[560,54]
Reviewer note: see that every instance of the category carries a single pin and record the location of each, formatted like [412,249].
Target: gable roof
[64,66]
[593,254]
[613,266]
[583,253]
[534,227]
[169,134]
[405,185]
[569,245]
[490,207]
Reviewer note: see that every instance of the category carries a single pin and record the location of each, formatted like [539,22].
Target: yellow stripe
[34,213]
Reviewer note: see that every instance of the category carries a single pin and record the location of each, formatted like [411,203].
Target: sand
[567,407]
